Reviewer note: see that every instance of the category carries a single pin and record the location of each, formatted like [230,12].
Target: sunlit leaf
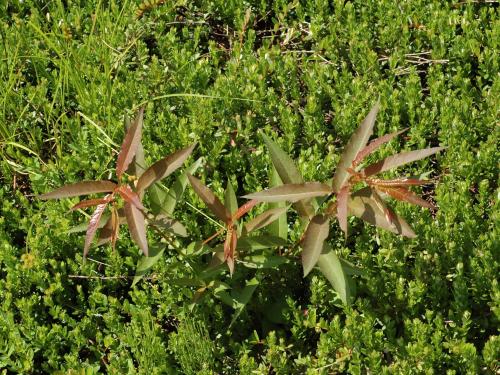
[331,266]
[130,144]
[93,223]
[130,196]
[373,145]
[115,226]
[399,182]
[137,227]
[291,192]
[397,160]
[356,143]
[389,214]
[230,199]
[263,261]
[405,195]
[212,202]
[175,193]
[145,263]
[288,173]
[363,205]
[162,168]
[80,188]
[278,227]
[312,244]
[244,209]
[138,164]
[89,203]
[342,198]
[264,219]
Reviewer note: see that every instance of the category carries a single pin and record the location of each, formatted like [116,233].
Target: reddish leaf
[130,144]
[405,195]
[130,196]
[397,160]
[342,198]
[291,192]
[163,168]
[93,224]
[312,245]
[106,233]
[80,188]
[230,248]
[115,226]
[363,205]
[264,219]
[90,203]
[136,226]
[212,202]
[398,182]
[244,209]
[373,145]
[356,143]
[389,214]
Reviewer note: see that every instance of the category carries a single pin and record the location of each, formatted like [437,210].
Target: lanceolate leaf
[163,168]
[130,196]
[244,209]
[291,192]
[373,145]
[278,227]
[138,164]
[177,190]
[397,160]
[90,203]
[146,263]
[115,226]
[331,266]
[230,248]
[288,173]
[93,224]
[342,198]
[170,225]
[399,182]
[130,144]
[356,143]
[137,227]
[363,205]
[230,199]
[264,219]
[80,188]
[212,202]
[405,195]
[260,242]
[312,245]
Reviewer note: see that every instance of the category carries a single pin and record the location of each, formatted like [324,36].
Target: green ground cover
[218,72]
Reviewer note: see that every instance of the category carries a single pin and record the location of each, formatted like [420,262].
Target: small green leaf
[356,143]
[312,245]
[291,192]
[331,266]
[145,263]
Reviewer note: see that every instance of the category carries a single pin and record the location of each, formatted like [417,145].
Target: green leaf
[363,205]
[130,144]
[162,168]
[312,245]
[279,227]
[237,299]
[157,195]
[291,192]
[356,143]
[169,224]
[145,263]
[288,173]
[263,261]
[331,266]
[398,160]
[176,192]
[212,202]
[230,199]
[260,242]
[83,226]
[80,188]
